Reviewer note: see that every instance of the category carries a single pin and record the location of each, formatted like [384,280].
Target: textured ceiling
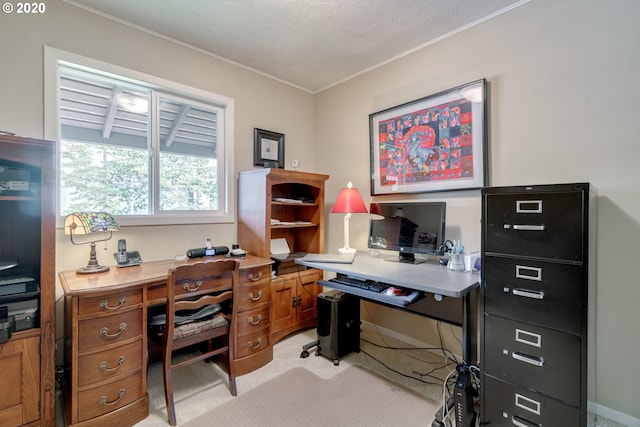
[310,44]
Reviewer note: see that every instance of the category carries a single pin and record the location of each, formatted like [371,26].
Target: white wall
[564,91]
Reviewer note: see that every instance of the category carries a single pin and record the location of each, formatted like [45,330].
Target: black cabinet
[535,304]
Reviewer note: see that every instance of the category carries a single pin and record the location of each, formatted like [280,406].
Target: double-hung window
[145,150]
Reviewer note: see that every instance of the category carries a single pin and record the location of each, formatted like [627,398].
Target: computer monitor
[409,228]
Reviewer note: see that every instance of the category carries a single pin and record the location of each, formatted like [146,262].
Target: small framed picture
[268,148]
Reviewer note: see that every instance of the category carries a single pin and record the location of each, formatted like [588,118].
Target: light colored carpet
[200,387]
[356,397]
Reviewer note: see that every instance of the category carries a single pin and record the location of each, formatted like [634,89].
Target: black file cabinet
[534,292]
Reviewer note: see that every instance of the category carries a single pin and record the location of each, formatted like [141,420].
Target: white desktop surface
[429,276]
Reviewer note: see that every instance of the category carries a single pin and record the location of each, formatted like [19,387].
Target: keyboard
[367,285]
[371,290]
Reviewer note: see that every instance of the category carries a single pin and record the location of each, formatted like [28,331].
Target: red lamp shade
[349,201]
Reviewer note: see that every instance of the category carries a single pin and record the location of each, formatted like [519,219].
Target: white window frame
[226,187]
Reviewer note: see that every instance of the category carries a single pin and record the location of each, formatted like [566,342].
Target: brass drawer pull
[103,400]
[187,286]
[255,279]
[252,298]
[259,343]
[103,365]
[257,322]
[104,331]
[104,304]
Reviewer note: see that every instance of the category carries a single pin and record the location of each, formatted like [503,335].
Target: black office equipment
[202,252]
[338,326]
[535,285]
[408,228]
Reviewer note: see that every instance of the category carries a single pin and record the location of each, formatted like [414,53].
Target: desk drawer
[545,293]
[539,358]
[254,275]
[108,330]
[251,320]
[546,225]
[510,405]
[188,288]
[252,342]
[112,303]
[109,364]
[253,295]
[110,397]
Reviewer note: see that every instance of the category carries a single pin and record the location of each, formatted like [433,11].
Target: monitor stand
[407,258]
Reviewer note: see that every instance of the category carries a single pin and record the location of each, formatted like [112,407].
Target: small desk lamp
[89,223]
[349,201]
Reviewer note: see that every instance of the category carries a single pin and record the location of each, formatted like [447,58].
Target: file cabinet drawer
[545,293]
[547,225]
[539,358]
[510,405]
[96,367]
[103,331]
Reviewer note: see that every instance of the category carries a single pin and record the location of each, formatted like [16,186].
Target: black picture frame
[435,143]
[268,148]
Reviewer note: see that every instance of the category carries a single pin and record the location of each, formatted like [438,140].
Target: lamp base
[346,251]
[90,269]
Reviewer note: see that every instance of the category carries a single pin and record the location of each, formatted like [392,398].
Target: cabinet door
[284,300]
[20,361]
[307,294]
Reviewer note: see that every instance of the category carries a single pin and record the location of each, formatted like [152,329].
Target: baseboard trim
[613,415]
[592,407]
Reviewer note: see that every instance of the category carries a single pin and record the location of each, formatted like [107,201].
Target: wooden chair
[193,291]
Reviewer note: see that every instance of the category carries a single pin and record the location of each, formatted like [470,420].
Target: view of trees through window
[129,149]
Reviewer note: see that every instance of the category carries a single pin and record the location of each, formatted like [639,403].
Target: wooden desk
[447,295]
[106,336]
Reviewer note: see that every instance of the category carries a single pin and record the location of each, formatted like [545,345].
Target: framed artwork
[435,143]
[268,148]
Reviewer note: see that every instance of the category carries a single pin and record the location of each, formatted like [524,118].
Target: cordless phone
[124,258]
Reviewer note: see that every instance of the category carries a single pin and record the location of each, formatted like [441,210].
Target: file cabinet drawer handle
[529,273]
[517,421]
[103,400]
[527,404]
[527,227]
[104,304]
[528,293]
[535,361]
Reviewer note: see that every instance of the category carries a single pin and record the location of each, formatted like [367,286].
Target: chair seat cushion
[192,328]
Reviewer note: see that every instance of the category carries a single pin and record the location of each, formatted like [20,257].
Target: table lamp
[88,223]
[349,201]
